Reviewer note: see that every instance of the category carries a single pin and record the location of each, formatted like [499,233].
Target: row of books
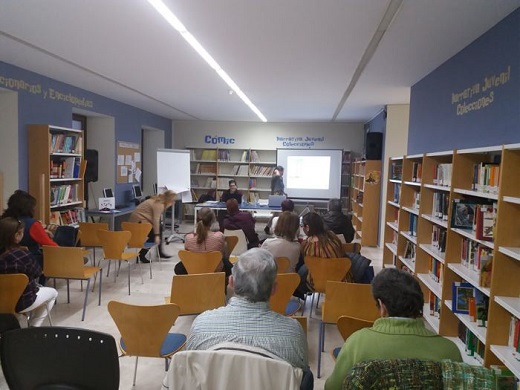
[435,305]
[66,143]
[436,270]
[63,194]
[396,170]
[66,168]
[440,205]
[477,217]
[477,258]
[413,224]
[467,299]
[236,170]
[67,217]
[397,192]
[473,346]
[417,172]
[439,235]
[262,170]
[206,168]
[514,336]
[410,251]
[486,177]
[416,200]
[208,154]
[442,174]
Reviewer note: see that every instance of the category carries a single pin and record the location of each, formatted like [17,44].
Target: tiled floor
[150,372]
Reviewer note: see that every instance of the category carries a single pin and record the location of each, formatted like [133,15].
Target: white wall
[252,135]
[9,144]
[396,143]
[153,139]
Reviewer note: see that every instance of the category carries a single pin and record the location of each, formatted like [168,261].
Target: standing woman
[15,260]
[277,184]
[151,211]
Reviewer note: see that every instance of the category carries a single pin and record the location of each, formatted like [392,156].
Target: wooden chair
[145,330]
[196,293]
[67,263]
[280,301]
[114,245]
[348,325]
[231,242]
[323,269]
[241,245]
[140,231]
[12,287]
[303,322]
[341,237]
[283,264]
[351,299]
[200,262]
[351,247]
[89,237]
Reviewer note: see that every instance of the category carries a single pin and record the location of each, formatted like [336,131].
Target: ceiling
[296,60]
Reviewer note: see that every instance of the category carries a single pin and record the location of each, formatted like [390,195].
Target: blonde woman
[151,211]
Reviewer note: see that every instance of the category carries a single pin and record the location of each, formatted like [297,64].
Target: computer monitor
[136,190]
[108,193]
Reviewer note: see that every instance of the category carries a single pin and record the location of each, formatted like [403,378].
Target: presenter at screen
[277,184]
[231,193]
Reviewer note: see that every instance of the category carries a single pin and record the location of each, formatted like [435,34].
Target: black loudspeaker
[374,146]
[91,174]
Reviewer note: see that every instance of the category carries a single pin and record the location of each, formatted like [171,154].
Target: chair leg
[140,270]
[312,304]
[49,316]
[100,281]
[128,276]
[320,347]
[85,301]
[68,291]
[135,369]
[108,270]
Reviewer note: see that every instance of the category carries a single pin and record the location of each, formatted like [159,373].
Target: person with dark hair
[399,333]
[284,243]
[277,184]
[287,205]
[232,192]
[236,220]
[14,259]
[203,240]
[338,222]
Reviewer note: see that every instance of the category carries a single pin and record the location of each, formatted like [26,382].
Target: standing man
[277,184]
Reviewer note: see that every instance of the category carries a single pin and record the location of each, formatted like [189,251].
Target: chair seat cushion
[292,307]
[171,344]
[335,352]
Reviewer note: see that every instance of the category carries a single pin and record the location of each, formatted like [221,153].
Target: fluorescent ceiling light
[177,25]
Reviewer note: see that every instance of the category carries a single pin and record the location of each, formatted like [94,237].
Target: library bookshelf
[426,233]
[365,196]
[56,171]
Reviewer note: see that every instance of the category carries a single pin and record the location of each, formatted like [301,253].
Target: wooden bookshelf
[56,170]
[446,177]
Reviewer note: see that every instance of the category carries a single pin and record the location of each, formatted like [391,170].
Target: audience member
[338,222]
[399,333]
[15,259]
[151,211]
[287,205]
[231,193]
[236,220]
[284,243]
[203,240]
[277,184]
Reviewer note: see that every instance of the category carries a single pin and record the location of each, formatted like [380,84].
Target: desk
[241,207]
[111,214]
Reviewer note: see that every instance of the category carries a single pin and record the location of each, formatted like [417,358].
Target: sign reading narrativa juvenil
[480,95]
[299,142]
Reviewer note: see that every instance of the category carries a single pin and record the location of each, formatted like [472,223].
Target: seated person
[399,333]
[236,220]
[15,259]
[287,205]
[338,222]
[231,193]
[283,244]
[247,318]
[203,240]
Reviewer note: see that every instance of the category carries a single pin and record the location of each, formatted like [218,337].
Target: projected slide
[311,174]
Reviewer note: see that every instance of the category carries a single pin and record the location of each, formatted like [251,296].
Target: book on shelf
[396,170]
[209,154]
[243,170]
[514,335]
[413,224]
[486,177]
[461,293]
[439,238]
[417,172]
[416,200]
[435,304]
[409,251]
[442,174]
[485,222]
[436,270]
[440,205]
[397,192]
[485,272]
[245,156]
[224,155]
[254,156]
[463,214]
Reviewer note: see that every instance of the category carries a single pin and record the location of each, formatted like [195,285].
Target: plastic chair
[283,264]
[89,238]
[114,245]
[138,240]
[67,263]
[145,330]
[322,269]
[280,301]
[351,247]
[58,358]
[12,287]
[351,299]
[196,293]
[200,262]
[348,325]
[231,242]
[241,245]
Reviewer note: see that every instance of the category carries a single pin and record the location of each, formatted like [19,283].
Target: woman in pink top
[203,240]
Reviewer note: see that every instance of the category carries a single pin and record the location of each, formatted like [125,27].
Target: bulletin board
[128,162]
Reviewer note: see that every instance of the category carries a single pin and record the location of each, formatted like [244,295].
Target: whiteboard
[173,170]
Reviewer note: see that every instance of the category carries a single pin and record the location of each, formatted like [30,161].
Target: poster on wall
[128,162]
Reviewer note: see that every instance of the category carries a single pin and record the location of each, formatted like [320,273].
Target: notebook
[276,200]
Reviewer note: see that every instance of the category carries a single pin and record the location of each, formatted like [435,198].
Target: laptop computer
[276,200]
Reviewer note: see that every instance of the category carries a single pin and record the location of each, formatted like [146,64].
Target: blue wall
[436,123]
[38,104]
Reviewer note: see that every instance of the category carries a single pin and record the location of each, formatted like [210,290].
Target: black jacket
[339,223]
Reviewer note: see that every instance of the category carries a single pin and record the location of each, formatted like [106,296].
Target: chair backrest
[241,246]
[245,367]
[89,230]
[350,299]
[200,262]
[56,357]
[351,247]
[63,262]
[286,284]
[12,287]
[283,264]
[113,243]
[139,230]
[143,328]
[341,237]
[348,325]
[322,269]
[196,293]
[303,320]
[66,235]
[231,242]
